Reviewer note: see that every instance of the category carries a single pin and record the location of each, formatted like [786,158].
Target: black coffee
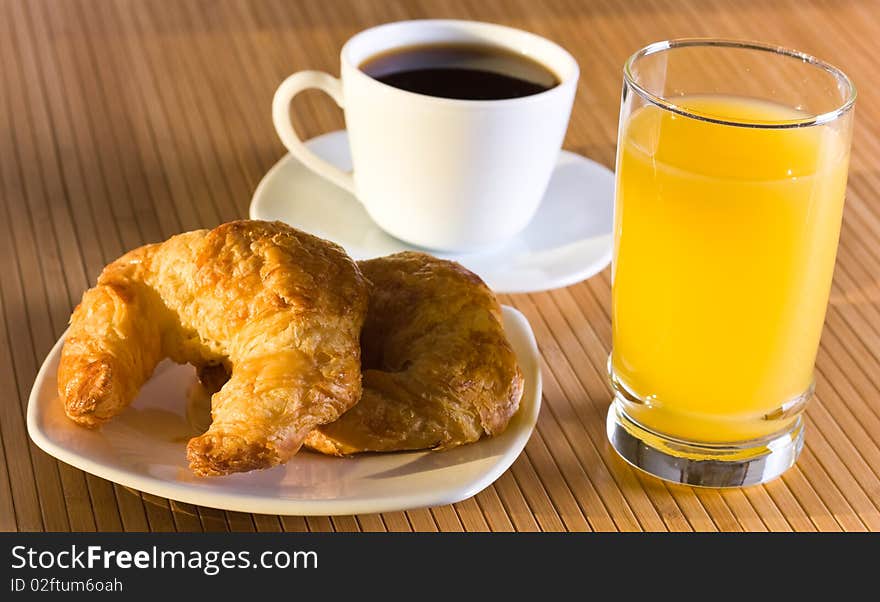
[462,71]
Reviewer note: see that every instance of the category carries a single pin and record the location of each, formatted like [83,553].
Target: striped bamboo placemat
[124,122]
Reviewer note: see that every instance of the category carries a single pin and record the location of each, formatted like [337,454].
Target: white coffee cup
[445,174]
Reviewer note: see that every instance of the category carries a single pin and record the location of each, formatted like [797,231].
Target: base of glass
[703,464]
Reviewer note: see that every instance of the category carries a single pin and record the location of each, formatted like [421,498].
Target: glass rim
[669,105]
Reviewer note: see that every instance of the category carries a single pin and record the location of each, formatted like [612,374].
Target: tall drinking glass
[732,161]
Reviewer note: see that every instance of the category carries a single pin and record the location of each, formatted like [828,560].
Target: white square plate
[144,448]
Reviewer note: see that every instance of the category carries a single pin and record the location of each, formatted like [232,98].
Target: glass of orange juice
[732,161]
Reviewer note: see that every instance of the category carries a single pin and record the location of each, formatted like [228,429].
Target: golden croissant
[279,309]
[438,370]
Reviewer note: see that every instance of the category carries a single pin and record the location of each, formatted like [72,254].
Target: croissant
[438,370]
[278,309]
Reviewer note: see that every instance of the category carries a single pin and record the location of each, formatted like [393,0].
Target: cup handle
[290,87]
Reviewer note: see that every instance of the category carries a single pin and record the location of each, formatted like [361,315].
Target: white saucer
[144,448]
[568,240]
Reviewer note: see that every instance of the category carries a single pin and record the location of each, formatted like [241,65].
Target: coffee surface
[460,71]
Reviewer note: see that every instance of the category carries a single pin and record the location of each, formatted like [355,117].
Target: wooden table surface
[124,122]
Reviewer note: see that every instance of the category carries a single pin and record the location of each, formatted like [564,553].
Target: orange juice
[725,239]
